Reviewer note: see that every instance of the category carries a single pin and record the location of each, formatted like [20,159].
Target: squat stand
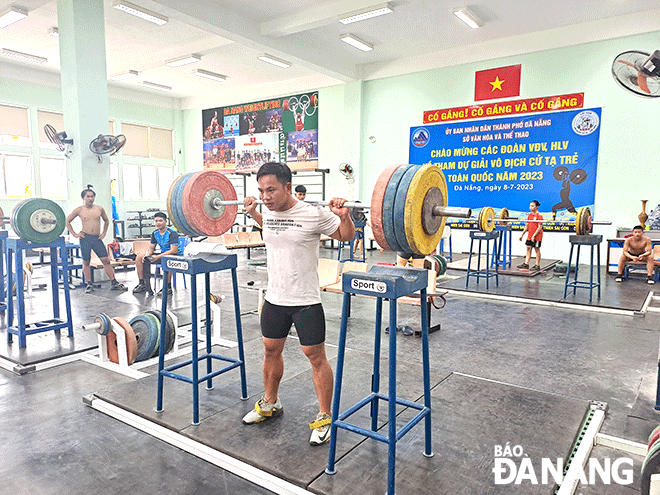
[23,329]
[383,282]
[194,266]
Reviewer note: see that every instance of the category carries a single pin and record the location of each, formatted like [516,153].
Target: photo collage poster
[241,138]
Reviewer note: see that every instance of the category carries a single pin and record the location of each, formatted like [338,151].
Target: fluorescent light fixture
[468,17]
[367,13]
[12,14]
[24,57]
[53,31]
[274,60]
[159,87]
[209,75]
[124,75]
[140,12]
[188,59]
[353,40]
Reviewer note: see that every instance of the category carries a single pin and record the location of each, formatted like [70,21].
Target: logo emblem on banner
[585,123]
[420,137]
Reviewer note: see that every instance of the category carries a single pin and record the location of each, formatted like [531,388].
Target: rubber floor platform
[470,416]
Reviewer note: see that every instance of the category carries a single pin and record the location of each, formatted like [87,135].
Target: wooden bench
[636,266]
[139,247]
[240,240]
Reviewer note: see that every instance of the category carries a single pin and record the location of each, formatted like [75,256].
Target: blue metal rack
[194,266]
[593,241]
[3,255]
[504,247]
[479,273]
[383,282]
[16,246]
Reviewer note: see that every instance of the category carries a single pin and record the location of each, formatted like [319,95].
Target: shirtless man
[637,248]
[91,237]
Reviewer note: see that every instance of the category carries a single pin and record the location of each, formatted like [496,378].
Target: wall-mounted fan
[59,139]
[104,144]
[346,170]
[638,72]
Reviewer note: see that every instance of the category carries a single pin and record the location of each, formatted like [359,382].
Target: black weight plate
[578,176]
[155,325]
[147,339]
[560,173]
[170,334]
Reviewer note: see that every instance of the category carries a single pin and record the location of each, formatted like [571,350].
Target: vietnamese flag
[502,82]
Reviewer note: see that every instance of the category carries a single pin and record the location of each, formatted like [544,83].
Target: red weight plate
[131,343]
[376,211]
[198,195]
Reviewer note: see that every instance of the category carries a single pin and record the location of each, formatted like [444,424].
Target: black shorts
[534,244]
[91,243]
[309,320]
[407,256]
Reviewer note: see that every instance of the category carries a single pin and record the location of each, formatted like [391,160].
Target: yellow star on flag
[497,84]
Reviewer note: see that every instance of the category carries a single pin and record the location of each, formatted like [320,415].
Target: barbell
[408,207]
[486,220]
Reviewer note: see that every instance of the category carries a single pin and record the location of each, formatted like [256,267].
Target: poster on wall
[508,162]
[240,138]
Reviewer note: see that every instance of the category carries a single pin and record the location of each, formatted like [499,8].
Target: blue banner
[508,162]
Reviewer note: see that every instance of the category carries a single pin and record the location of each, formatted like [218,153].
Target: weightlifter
[534,229]
[637,248]
[91,237]
[292,231]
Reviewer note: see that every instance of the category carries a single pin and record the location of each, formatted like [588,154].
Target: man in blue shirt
[168,241]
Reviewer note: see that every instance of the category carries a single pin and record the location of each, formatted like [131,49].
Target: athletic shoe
[619,278]
[169,292]
[523,266]
[262,411]
[650,281]
[535,268]
[117,286]
[320,429]
[89,288]
[141,287]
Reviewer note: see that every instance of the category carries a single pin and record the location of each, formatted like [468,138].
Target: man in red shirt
[534,229]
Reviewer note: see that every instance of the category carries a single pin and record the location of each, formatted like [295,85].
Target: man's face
[89,198]
[160,223]
[301,196]
[274,195]
[638,233]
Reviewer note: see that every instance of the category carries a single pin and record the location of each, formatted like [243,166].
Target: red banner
[503,82]
[530,105]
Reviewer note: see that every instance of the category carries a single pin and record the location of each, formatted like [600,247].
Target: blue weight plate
[172,204]
[155,322]
[178,206]
[106,322]
[388,207]
[399,209]
[147,338]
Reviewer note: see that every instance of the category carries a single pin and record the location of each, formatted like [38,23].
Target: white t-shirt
[292,251]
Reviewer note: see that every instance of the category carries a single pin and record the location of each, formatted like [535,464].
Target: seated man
[121,250]
[637,248]
[168,241]
[301,192]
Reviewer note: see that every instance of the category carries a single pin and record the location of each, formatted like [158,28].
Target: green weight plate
[170,336]
[14,223]
[388,208]
[650,467]
[443,264]
[33,206]
[155,322]
[650,453]
[147,338]
[400,209]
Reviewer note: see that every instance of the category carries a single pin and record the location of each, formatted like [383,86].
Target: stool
[504,247]
[446,234]
[388,282]
[359,234]
[193,266]
[583,240]
[17,246]
[479,273]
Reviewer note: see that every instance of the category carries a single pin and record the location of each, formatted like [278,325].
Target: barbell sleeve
[92,326]
[451,211]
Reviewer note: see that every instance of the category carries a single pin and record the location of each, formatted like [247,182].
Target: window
[14,126]
[148,142]
[160,143]
[52,118]
[165,179]
[52,173]
[16,176]
[131,176]
[148,179]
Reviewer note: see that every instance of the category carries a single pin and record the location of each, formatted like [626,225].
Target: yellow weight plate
[503,214]
[578,217]
[427,177]
[486,219]
[582,221]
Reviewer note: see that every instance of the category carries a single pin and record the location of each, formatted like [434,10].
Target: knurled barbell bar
[408,209]
[486,220]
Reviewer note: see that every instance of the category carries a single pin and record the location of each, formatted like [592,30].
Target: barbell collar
[50,221]
[451,211]
[92,326]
